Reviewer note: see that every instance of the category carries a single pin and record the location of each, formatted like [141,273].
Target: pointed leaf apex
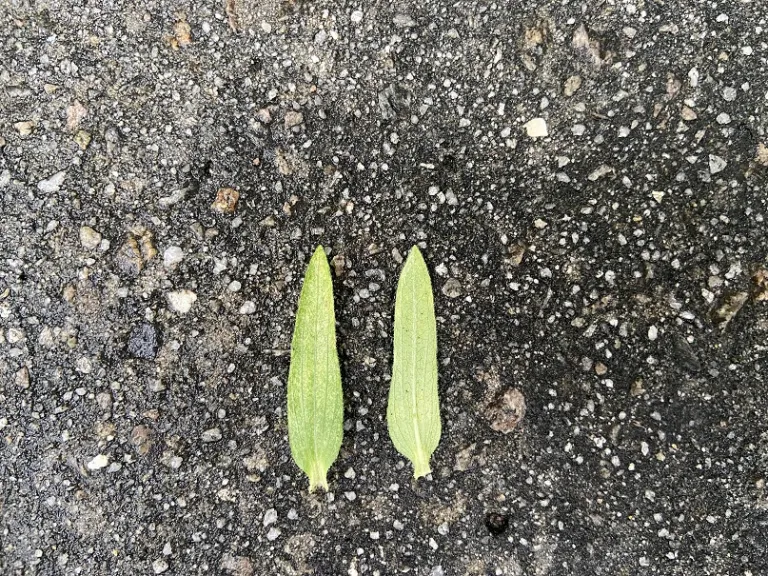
[319,250]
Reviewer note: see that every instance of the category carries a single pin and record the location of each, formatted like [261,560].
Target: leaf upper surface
[315,401]
[413,410]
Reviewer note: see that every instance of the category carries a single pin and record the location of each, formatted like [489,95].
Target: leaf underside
[413,410]
[315,402]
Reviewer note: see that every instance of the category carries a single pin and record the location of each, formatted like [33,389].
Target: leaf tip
[414,252]
[318,252]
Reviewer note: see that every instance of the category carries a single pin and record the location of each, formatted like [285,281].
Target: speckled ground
[588,182]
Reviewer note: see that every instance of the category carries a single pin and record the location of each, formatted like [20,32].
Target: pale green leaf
[315,402]
[413,411]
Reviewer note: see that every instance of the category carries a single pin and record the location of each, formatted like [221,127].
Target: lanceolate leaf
[413,411]
[315,402]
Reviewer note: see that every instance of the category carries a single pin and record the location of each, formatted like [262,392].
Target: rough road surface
[588,182]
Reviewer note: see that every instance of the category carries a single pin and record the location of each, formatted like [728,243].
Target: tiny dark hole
[496,523]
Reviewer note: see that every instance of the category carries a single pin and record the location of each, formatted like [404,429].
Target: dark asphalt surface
[588,183]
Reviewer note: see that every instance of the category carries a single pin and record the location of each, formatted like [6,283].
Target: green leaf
[315,401]
[413,411]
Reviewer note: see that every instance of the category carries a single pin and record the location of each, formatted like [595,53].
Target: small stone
[174,197]
[729,94]
[760,279]
[52,184]
[599,172]
[25,128]
[464,458]
[338,262]
[653,333]
[89,238]
[98,462]
[273,534]
[536,128]
[147,248]
[14,335]
[356,17]
[270,517]
[226,200]
[143,342]
[508,411]
[84,365]
[182,34]
[237,565]
[293,118]
[181,301]
[140,438]
[688,114]
[761,156]
[452,288]
[75,115]
[248,307]
[159,566]
[21,378]
[723,118]
[212,435]
[601,369]
[572,85]
[539,224]
[693,77]
[104,401]
[172,256]
[264,116]
[581,42]
[716,164]
[403,21]
[82,139]
[128,258]
[728,309]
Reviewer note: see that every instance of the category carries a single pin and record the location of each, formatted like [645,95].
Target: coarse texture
[315,402]
[413,407]
[551,260]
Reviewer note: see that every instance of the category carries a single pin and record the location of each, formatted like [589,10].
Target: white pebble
[723,118]
[248,307]
[172,256]
[270,517]
[89,238]
[273,534]
[181,301]
[716,164]
[53,183]
[653,333]
[536,128]
[98,462]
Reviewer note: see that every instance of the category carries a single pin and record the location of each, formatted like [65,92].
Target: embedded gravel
[588,183]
